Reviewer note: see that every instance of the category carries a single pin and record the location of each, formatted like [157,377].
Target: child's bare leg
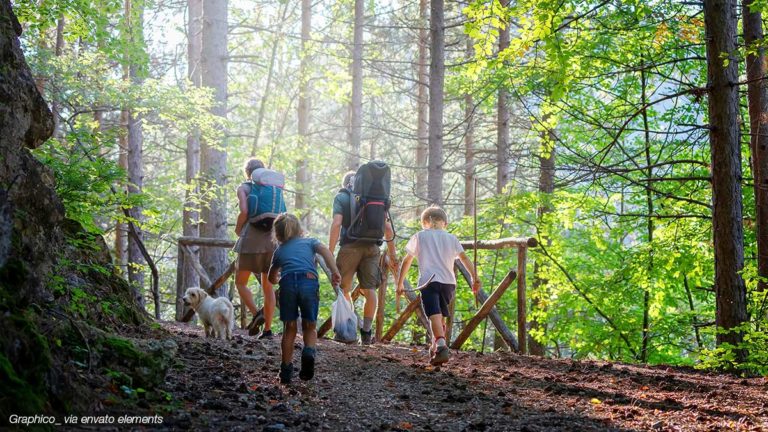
[310,333]
[289,337]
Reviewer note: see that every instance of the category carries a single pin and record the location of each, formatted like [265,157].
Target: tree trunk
[546,189]
[58,51]
[648,220]
[270,74]
[757,97]
[213,163]
[422,104]
[134,16]
[191,212]
[502,119]
[356,102]
[302,174]
[436,81]
[731,310]
[121,228]
[469,144]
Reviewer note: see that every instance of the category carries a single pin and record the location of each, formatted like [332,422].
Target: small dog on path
[216,314]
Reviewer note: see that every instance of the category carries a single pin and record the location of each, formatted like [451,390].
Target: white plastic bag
[344,320]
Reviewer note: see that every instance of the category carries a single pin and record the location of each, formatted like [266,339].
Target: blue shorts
[436,297]
[299,291]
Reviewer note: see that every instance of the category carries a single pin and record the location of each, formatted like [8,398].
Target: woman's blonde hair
[250,165]
[432,215]
[287,227]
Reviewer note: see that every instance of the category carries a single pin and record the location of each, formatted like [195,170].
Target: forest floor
[233,386]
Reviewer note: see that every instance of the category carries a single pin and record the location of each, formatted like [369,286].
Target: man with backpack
[260,200]
[360,225]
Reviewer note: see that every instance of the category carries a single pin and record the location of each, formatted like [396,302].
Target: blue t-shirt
[297,255]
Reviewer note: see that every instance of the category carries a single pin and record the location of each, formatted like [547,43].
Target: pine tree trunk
[302,174]
[502,120]
[469,144]
[58,51]
[356,102]
[546,189]
[722,75]
[121,228]
[422,106]
[191,213]
[757,98]
[213,162]
[649,223]
[436,81]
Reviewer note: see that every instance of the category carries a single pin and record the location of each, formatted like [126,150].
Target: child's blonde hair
[433,215]
[287,227]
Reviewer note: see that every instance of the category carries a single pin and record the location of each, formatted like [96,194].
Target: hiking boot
[286,373]
[266,334]
[442,354]
[307,364]
[255,325]
[366,337]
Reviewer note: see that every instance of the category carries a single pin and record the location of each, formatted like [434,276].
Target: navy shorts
[436,297]
[299,292]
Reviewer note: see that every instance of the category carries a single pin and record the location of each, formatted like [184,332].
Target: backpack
[265,200]
[369,203]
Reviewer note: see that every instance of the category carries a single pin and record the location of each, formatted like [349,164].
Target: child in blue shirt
[294,261]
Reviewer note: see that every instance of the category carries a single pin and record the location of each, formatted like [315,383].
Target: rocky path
[233,386]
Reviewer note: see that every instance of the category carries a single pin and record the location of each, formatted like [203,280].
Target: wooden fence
[487,309]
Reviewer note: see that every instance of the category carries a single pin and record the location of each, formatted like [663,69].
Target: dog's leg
[208,330]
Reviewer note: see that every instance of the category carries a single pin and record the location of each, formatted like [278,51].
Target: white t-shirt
[436,250]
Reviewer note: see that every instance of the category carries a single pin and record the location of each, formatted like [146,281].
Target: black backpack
[369,203]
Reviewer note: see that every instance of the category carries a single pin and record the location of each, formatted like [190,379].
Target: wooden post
[521,309]
[212,289]
[402,319]
[382,300]
[180,283]
[496,319]
[449,324]
[485,309]
[204,279]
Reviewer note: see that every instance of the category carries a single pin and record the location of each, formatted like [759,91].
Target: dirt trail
[233,386]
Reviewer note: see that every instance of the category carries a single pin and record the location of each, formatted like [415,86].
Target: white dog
[216,314]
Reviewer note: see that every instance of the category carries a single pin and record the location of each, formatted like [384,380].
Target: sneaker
[307,364]
[442,354]
[366,337]
[266,334]
[286,373]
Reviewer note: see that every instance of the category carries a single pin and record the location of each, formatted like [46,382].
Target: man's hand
[336,279]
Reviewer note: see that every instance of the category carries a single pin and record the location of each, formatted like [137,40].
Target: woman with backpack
[254,248]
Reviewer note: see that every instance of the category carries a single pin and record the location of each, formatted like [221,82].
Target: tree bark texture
[191,213]
[356,101]
[546,189]
[469,144]
[722,74]
[436,82]
[502,119]
[422,103]
[757,98]
[134,16]
[213,163]
[302,173]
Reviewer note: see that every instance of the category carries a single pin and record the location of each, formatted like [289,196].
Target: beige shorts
[254,262]
[362,259]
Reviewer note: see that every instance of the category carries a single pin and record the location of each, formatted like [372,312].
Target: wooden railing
[487,309]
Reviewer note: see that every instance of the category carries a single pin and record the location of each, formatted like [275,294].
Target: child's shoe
[366,337]
[442,354]
[307,364]
[286,373]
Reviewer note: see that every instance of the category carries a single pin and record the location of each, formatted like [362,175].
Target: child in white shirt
[436,250]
